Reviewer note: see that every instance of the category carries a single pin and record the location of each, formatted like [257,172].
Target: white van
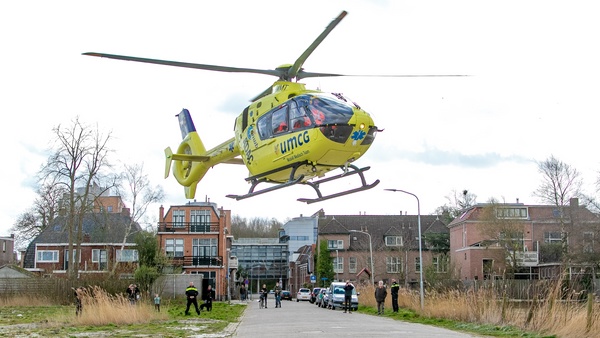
[336,291]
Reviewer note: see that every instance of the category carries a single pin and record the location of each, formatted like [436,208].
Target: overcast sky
[532,93]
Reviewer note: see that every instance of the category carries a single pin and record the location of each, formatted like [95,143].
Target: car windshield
[304,290]
[340,291]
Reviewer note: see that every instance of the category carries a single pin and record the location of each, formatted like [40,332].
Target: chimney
[161,213]
[125,212]
[574,202]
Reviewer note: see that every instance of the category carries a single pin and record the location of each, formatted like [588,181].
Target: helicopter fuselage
[308,131]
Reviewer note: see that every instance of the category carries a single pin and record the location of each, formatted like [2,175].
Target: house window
[99,256]
[520,213]
[47,256]
[552,237]
[127,255]
[338,264]
[440,264]
[488,268]
[174,247]
[178,218]
[335,244]
[204,252]
[393,265]
[352,264]
[73,255]
[109,208]
[418,264]
[3,246]
[200,220]
[393,240]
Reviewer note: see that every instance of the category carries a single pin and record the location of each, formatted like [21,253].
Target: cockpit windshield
[324,109]
[329,112]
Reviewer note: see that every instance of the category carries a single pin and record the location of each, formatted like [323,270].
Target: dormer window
[335,244]
[393,240]
[517,212]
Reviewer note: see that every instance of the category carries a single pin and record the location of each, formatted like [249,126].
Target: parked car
[285,294]
[313,295]
[320,297]
[336,299]
[303,294]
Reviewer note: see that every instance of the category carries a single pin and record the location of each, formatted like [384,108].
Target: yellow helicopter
[288,135]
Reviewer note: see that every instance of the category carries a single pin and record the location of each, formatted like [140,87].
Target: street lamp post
[228,277]
[337,264]
[420,245]
[371,252]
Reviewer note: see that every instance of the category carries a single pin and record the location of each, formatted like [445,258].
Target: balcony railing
[188,227]
[190,261]
[526,258]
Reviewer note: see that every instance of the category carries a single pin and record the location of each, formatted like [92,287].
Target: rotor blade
[189,65]
[303,75]
[293,71]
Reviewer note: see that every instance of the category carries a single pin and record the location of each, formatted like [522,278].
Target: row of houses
[196,236]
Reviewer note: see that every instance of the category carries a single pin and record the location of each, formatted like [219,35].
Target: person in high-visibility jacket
[191,294]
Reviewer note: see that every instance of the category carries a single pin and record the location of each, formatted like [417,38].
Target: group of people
[133,293]
[381,294]
[191,294]
[264,295]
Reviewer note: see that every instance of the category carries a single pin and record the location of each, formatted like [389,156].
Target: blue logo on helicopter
[358,135]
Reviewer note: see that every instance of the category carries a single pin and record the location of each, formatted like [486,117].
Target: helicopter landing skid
[278,186]
[348,170]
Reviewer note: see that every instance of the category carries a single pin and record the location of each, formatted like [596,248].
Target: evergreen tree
[324,264]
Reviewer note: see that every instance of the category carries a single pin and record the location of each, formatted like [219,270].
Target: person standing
[78,301]
[243,293]
[380,294]
[395,288]
[208,298]
[157,302]
[131,295]
[263,295]
[277,295]
[348,296]
[191,294]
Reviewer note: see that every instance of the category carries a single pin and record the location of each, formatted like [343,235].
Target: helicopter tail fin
[190,159]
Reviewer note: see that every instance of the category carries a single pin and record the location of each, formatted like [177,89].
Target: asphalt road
[300,319]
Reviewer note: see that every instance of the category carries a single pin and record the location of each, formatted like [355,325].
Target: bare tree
[78,157]
[33,221]
[458,203]
[137,190]
[560,183]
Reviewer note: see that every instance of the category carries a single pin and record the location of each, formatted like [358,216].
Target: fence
[57,290]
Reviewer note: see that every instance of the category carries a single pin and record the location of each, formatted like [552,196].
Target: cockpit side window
[264,126]
[299,118]
[279,120]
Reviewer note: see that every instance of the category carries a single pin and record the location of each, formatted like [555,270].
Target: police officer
[394,288]
[191,294]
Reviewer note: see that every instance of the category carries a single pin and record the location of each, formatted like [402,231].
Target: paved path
[303,319]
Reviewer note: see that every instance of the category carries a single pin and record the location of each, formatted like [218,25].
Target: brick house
[394,243]
[195,237]
[104,243]
[479,248]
